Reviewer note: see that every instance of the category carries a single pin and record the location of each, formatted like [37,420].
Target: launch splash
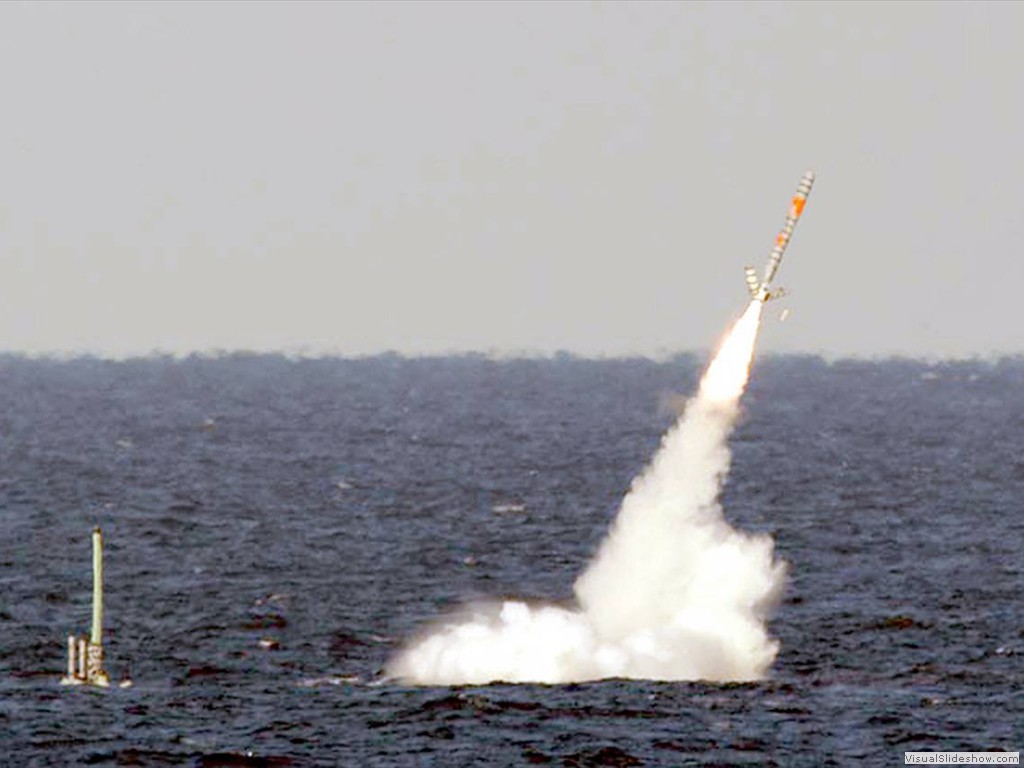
[673,593]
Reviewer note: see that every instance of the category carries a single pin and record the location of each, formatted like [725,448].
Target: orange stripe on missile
[797,206]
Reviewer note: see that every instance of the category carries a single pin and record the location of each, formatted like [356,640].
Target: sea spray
[674,592]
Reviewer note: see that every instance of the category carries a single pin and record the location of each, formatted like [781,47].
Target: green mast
[97,587]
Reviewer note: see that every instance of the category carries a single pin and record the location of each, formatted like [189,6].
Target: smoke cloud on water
[673,593]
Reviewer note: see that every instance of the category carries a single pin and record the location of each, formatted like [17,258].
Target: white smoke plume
[674,592]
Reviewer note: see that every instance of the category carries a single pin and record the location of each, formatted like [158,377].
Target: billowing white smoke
[674,593]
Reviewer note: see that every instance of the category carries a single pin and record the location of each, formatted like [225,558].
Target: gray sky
[508,177]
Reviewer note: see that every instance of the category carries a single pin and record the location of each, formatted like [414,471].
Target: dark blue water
[330,508]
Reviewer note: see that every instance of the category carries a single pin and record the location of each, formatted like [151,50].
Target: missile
[761,290]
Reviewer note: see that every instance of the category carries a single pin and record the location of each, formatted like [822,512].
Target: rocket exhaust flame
[673,593]
[726,376]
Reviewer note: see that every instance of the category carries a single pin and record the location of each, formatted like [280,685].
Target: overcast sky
[508,177]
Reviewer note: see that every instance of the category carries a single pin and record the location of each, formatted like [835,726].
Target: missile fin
[752,282]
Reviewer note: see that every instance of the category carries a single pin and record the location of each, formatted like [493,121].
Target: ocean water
[276,528]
